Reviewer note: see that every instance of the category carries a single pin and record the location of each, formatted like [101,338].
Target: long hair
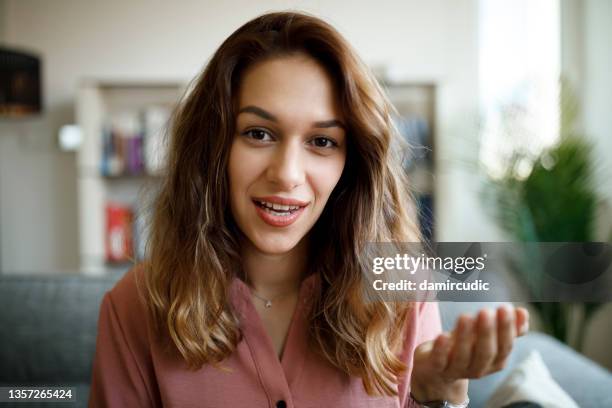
[193,249]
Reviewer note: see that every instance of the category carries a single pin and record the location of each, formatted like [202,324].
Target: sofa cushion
[530,381]
[48,327]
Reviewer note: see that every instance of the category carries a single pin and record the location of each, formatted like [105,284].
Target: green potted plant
[550,197]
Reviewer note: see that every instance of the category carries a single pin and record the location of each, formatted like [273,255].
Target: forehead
[292,87]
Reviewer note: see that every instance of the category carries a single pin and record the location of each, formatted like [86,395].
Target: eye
[258,134]
[324,142]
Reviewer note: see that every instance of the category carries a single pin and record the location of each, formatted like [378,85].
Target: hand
[478,346]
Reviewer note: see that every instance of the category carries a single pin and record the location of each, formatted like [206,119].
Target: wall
[597,99]
[38,231]
[587,62]
[420,40]
[2,14]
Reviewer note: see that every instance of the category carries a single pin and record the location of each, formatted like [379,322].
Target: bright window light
[519,73]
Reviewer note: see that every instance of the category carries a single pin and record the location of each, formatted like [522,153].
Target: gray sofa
[48,334]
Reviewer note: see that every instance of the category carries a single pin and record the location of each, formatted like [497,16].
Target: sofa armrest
[585,381]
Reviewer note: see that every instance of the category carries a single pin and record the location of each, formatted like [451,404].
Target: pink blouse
[130,369]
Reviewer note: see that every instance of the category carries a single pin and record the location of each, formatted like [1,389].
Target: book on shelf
[119,238]
[122,139]
[127,228]
[132,141]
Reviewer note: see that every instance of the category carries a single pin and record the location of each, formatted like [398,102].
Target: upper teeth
[279,207]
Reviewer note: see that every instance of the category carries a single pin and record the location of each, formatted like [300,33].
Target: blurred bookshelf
[124,127]
[416,107]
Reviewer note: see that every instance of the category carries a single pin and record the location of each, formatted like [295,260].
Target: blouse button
[281,404]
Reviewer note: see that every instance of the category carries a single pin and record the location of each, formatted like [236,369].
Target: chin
[273,249]
[276,246]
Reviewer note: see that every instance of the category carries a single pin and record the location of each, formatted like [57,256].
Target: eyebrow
[268,116]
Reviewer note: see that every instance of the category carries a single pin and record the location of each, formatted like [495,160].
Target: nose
[286,169]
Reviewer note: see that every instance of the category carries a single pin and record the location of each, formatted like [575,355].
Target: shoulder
[126,291]
[126,305]
[123,369]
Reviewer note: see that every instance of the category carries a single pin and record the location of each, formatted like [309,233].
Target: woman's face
[288,152]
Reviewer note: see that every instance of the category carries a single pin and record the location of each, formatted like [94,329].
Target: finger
[485,349]
[461,353]
[506,332]
[441,351]
[522,321]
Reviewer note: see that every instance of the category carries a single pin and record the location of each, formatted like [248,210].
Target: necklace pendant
[268,303]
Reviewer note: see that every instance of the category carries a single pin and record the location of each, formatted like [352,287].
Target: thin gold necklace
[268,302]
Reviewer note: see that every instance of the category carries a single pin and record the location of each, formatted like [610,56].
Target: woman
[281,168]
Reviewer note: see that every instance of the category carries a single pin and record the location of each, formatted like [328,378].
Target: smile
[279,212]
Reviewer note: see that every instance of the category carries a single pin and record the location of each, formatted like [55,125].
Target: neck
[272,275]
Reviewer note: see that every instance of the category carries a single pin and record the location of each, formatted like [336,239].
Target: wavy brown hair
[193,250]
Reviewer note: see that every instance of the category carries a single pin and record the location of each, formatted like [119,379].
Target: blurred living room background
[485,91]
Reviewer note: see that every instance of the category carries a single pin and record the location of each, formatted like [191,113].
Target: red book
[118,239]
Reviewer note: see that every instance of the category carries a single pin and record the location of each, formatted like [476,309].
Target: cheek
[241,169]
[325,176]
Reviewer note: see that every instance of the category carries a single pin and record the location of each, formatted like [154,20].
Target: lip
[275,220]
